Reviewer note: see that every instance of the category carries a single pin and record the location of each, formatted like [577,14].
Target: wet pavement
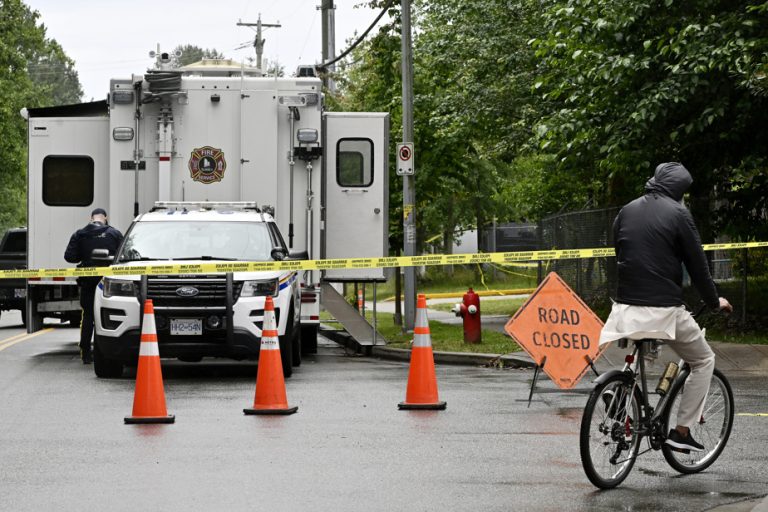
[63,443]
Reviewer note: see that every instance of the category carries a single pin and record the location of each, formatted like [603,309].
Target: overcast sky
[109,39]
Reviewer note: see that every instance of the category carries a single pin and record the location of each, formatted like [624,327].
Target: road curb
[517,360]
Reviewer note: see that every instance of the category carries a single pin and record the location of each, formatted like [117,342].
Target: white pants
[677,327]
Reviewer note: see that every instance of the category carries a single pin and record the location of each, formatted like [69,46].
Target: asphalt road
[63,444]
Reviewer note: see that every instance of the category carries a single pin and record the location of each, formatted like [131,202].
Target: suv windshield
[245,241]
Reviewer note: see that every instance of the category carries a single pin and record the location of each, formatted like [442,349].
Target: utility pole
[409,184]
[258,42]
[328,10]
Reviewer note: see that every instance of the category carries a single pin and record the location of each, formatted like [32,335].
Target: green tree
[191,54]
[629,84]
[54,73]
[473,76]
[24,48]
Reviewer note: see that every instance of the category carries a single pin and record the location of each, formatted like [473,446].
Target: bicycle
[618,416]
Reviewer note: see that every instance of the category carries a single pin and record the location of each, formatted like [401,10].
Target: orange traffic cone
[149,397]
[422,382]
[270,384]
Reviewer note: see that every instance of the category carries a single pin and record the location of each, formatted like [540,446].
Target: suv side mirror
[102,255]
[279,253]
[298,255]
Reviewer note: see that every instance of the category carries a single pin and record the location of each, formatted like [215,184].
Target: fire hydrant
[469,310]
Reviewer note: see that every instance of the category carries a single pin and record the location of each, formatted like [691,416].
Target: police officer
[98,234]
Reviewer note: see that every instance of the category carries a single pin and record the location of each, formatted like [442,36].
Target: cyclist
[653,236]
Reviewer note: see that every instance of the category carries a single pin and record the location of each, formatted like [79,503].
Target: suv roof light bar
[206,205]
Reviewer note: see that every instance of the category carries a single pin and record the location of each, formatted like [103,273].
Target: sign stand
[591,364]
[535,378]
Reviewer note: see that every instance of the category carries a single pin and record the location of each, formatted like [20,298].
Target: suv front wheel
[286,348]
[103,367]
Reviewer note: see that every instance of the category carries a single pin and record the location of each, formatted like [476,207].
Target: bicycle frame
[635,366]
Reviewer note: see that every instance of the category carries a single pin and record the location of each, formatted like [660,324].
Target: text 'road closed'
[557,330]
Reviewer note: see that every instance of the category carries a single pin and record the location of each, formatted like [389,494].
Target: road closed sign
[557,330]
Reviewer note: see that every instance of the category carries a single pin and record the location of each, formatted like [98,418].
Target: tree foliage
[34,72]
[526,108]
[468,123]
[630,84]
[54,73]
[191,54]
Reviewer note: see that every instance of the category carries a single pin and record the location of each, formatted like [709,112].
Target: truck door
[355,197]
[68,176]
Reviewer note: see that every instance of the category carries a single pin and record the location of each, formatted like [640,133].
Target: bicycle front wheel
[712,430]
[608,439]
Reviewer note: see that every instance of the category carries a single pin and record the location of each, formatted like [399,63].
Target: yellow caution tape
[335,264]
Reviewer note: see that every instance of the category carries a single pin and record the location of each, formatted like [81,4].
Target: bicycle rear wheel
[712,430]
[608,439]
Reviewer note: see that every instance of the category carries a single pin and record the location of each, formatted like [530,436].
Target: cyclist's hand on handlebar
[725,306]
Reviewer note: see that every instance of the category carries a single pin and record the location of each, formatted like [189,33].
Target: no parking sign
[405,165]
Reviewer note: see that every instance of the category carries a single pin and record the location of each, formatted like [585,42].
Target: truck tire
[103,367]
[286,348]
[35,322]
[296,347]
[309,339]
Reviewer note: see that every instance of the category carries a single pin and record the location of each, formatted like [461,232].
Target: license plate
[186,326]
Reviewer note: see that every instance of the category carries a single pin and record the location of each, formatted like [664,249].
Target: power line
[359,40]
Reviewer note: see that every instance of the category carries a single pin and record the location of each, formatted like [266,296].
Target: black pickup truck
[13,255]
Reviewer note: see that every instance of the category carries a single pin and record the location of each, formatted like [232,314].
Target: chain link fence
[593,279]
[741,275]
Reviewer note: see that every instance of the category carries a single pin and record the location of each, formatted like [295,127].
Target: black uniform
[654,235]
[93,236]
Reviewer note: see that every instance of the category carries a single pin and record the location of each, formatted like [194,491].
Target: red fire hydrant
[469,310]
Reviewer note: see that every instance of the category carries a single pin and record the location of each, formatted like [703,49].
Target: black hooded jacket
[93,236]
[654,235]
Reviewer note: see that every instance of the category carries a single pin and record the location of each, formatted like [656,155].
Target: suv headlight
[119,288]
[260,288]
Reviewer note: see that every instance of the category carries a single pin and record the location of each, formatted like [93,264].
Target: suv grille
[210,292]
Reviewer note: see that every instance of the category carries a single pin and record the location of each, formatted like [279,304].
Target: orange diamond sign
[557,330]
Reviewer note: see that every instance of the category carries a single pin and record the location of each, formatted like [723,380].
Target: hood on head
[670,179]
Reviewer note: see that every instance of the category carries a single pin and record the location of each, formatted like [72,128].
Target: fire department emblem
[207,165]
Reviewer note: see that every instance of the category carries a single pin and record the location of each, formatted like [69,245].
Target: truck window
[68,180]
[16,241]
[354,162]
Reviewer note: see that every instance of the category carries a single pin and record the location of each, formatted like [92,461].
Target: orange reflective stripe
[421,330]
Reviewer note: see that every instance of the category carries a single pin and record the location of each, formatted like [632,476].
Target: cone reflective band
[422,381]
[270,384]
[149,396]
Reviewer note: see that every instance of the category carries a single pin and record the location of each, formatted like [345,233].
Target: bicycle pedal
[680,450]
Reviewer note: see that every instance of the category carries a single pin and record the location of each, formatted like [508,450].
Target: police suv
[197,315]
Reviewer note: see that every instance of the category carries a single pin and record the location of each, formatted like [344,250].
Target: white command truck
[210,162]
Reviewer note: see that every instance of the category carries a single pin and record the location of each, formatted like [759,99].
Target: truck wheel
[296,347]
[286,349]
[103,367]
[35,323]
[309,339]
